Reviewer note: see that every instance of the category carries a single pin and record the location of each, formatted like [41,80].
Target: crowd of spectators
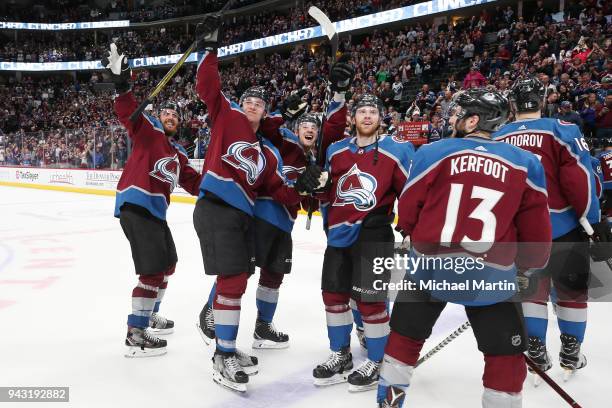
[571,55]
[173,38]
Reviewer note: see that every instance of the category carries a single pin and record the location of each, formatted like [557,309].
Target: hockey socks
[162,288]
[339,319]
[401,355]
[572,318]
[267,294]
[375,327]
[536,319]
[226,309]
[144,296]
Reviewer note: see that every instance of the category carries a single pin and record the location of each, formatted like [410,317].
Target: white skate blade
[362,388]
[137,352]
[250,370]
[219,379]
[161,332]
[269,344]
[335,379]
[567,374]
[206,339]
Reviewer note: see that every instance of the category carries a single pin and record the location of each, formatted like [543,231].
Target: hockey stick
[444,342]
[572,402]
[329,30]
[170,74]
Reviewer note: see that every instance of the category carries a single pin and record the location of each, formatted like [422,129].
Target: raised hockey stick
[572,402]
[443,343]
[329,30]
[170,74]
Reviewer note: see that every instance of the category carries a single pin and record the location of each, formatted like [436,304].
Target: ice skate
[267,337]
[160,325]
[228,372]
[335,370]
[141,343]
[206,326]
[570,357]
[365,377]
[538,354]
[247,362]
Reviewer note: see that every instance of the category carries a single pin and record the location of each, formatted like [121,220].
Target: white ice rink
[66,277]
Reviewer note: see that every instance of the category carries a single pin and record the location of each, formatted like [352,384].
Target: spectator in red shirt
[474,79]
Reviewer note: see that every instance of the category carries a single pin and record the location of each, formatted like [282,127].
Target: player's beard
[364,132]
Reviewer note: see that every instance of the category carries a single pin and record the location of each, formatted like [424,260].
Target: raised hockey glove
[293,106]
[118,68]
[601,246]
[342,74]
[209,33]
[308,181]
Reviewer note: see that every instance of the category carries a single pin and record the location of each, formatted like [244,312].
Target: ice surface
[66,277]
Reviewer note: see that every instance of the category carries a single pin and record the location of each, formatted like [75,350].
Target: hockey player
[471,193]
[368,172]
[571,196]
[605,160]
[274,221]
[238,163]
[155,167]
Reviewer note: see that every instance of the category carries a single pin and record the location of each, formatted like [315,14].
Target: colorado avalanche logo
[247,157]
[291,172]
[167,170]
[356,188]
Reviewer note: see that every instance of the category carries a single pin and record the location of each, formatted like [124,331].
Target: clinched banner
[357,23]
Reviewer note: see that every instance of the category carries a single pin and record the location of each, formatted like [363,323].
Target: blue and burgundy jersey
[363,180]
[473,193]
[572,192]
[605,159]
[156,165]
[237,164]
[294,160]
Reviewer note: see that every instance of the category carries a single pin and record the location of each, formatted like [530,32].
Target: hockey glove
[293,106]
[308,181]
[325,182]
[117,67]
[527,283]
[601,247]
[209,33]
[341,74]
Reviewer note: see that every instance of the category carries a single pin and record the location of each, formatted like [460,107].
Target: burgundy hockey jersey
[565,156]
[363,179]
[156,165]
[476,193]
[295,161]
[236,163]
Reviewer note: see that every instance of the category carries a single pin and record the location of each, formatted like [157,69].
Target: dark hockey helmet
[368,99]
[527,94]
[257,92]
[308,118]
[171,105]
[490,106]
